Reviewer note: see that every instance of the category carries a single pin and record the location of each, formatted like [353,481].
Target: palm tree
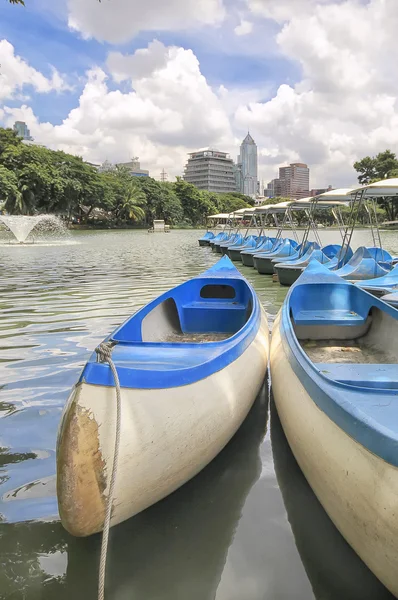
[134,199]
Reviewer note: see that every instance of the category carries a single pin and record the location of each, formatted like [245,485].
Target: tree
[228,203]
[382,166]
[8,137]
[197,205]
[377,167]
[9,192]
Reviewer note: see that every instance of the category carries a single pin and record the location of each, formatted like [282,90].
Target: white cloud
[15,73]
[345,105]
[244,28]
[119,21]
[142,63]
[170,111]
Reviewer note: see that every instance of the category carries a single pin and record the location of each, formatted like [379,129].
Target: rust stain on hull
[81,469]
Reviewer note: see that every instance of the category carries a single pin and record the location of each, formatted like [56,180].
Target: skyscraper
[294,181]
[22,130]
[211,170]
[248,167]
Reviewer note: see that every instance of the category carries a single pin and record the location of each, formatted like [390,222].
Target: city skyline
[175,80]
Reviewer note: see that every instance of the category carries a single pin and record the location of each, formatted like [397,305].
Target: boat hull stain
[81,471]
[167,437]
[358,490]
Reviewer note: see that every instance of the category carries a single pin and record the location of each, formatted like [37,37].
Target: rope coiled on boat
[104,352]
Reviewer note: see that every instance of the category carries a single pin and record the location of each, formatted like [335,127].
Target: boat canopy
[379,189]
[220,216]
[342,194]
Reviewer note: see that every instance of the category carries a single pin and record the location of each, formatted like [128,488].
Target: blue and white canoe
[206,238]
[363,265]
[391,299]
[264,244]
[334,366]
[381,285]
[190,365]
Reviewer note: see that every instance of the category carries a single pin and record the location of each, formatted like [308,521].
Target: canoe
[263,262]
[391,299]
[323,550]
[248,243]
[238,240]
[302,249]
[219,237]
[190,365]
[381,285]
[265,252]
[266,245]
[362,266]
[334,355]
[289,272]
[205,239]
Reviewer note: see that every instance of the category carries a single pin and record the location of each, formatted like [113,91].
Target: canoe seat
[213,316]
[384,376]
[328,317]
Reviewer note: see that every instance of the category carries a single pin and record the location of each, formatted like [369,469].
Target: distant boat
[334,366]
[381,285]
[190,365]
[391,299]
[205,239]
[289,272]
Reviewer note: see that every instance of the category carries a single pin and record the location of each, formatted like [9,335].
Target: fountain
[28,230]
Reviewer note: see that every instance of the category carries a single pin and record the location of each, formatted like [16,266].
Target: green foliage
[34,179]
[227,203]
[382,166]
[17,2]
[377,167]
[9,192]
[197,205]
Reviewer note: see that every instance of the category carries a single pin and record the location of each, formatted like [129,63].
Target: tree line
[34,179]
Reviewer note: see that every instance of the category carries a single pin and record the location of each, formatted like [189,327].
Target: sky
[312,80]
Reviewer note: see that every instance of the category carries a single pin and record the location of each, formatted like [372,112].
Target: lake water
[247,528]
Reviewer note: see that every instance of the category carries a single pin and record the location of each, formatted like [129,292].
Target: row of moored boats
[189,366]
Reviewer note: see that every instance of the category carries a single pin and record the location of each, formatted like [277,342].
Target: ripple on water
[57,303]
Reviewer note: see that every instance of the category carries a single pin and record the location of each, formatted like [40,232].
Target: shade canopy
[342,194]
[220,216]
[380,189]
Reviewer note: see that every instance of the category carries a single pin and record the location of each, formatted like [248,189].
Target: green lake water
[247,528]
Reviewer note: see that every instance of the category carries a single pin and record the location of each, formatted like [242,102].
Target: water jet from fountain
[28,230]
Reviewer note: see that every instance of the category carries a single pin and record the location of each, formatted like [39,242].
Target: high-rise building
[294,181]
[248,167]
[134,168]
[211,170]
[320,191]
[274,188]
[22,130]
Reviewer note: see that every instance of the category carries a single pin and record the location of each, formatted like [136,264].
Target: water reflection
[334,569]
[175,550]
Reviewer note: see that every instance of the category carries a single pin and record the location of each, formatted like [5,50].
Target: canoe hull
[167,437]
[264,265]
[289,275]
[235,255]
[247,259]
[358,490]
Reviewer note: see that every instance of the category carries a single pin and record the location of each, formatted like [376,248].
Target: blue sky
[48,41]
[299,73]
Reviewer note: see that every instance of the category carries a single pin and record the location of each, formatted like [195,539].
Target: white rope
[104,352]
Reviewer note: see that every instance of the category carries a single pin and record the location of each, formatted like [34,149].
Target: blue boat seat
[384,376]
[223,317]
[328,317]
